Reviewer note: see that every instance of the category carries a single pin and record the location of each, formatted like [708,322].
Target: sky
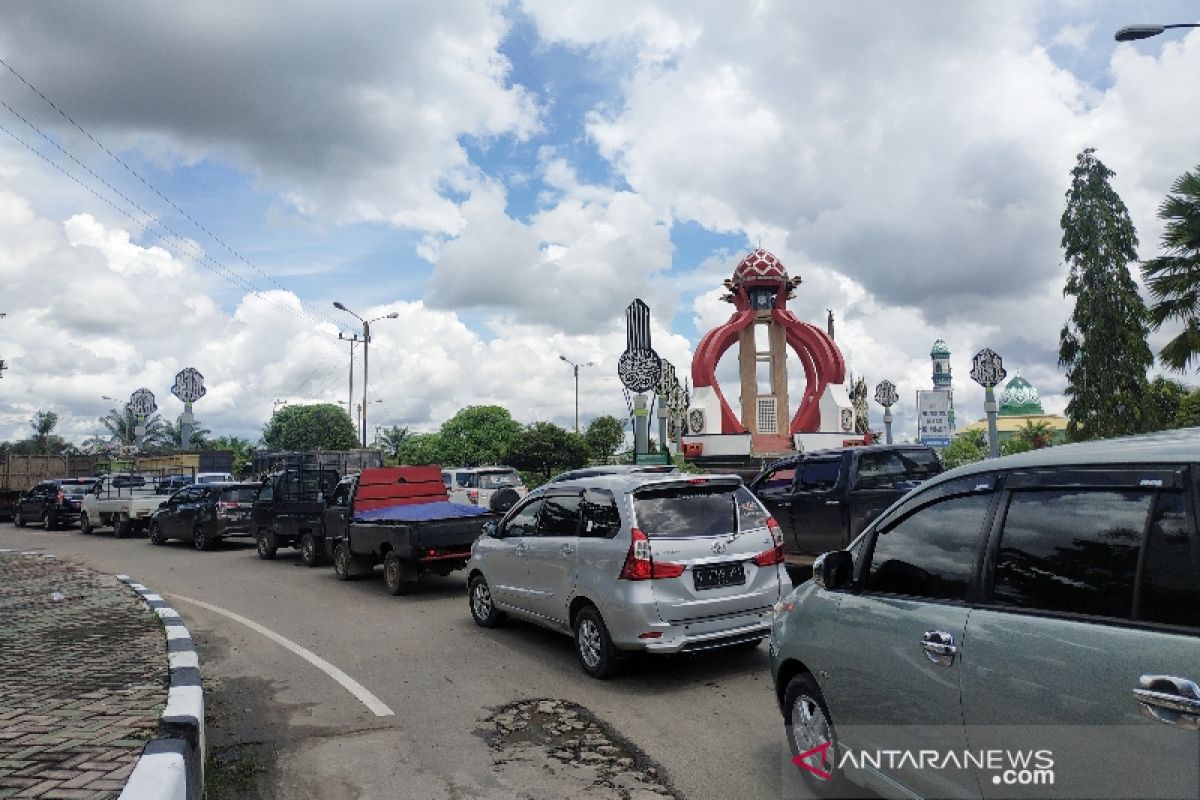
[197,184]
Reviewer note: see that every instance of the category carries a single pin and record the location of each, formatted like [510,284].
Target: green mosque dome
[940,348]
[1020,398]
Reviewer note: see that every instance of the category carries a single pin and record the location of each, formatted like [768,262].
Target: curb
[171,767]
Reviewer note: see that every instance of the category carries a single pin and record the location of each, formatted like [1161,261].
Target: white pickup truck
[123,501]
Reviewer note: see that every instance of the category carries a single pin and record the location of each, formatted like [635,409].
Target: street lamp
[1131,33]
[366,340]
[576,367]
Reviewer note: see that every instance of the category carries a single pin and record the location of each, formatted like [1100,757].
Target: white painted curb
[172,767]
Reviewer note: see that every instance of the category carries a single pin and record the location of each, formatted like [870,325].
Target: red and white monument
[763,329]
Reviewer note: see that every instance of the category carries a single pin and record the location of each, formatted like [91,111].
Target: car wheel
[809,729]
[598,656]
[85,524]
[200,539]
[49,523]
[265,541]
[343,562]
[156,534]
[483,610]
[121,526]
[310,553]
[18,519]
[503,499]
[397,575]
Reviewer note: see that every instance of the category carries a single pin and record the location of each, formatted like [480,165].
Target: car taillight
[473,496]
[769,558]
[224,506]
[640,566]
[60,497]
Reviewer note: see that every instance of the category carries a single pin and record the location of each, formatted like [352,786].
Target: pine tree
[1103,345]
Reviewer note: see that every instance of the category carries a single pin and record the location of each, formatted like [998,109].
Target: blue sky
[507,177]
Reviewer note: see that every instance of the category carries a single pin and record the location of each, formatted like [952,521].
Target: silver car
[656,563]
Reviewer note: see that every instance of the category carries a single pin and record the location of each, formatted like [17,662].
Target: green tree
[171,437]
[393,439]
[1174,278]
[1165,398]
[1189,411]
[477,435]
[121,424]
[966,448]
[546,448]
[238,446]
[1036,434]
[321,426]
[420,448]
[1013,445]
[604,436]
[43,423]
[1103,345]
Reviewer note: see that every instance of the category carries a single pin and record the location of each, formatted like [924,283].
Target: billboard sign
[934,417]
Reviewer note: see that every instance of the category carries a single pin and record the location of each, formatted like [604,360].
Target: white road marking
[349,684]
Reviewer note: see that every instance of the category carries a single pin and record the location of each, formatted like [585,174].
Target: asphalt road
[704,726]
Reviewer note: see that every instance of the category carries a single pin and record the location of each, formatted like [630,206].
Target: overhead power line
[153,189]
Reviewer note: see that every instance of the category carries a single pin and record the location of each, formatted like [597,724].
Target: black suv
[204,513]
[53,503]
[825,498]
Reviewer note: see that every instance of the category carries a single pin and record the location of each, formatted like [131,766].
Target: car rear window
[242,494]
[687,511]
[888,468]
[498,479]
[76,488]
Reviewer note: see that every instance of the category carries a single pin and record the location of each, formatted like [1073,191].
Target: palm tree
[172,435]
[121,425]
[1174,278]
[43,423]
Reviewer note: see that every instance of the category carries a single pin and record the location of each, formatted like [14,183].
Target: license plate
[718,576]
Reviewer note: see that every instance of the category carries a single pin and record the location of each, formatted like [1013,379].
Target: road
[282,725]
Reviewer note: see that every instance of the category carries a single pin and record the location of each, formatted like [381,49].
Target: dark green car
[1022,627]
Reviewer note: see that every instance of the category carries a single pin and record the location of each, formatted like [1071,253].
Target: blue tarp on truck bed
[420,512]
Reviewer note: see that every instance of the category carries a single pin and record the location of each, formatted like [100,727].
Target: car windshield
[76,488]
[499,479]
[687,511]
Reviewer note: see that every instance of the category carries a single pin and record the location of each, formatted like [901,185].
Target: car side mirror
[833,570]
[489,529]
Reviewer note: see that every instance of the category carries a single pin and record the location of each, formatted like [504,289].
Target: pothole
[555,743]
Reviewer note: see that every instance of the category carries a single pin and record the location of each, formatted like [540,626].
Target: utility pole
[366,340]
[575,367]
[353,340]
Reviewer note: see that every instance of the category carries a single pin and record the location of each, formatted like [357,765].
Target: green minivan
[1027,626]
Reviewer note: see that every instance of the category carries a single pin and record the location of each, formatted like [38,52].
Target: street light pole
[353,340]
[575,367]
[366,340]
[1131,33]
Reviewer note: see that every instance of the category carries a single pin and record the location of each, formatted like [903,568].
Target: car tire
[503,499]
[156,534]
[121,526]
[808,725]
[483,608]
[597,654]
[343,562]
[200,539]
[398,576]
[49,523]
[18,519]
[310,552]
[85,524]
[264,541]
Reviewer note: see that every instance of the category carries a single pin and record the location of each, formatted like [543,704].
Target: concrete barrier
[171,766]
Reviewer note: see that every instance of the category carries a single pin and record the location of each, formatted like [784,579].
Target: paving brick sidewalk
[83,679]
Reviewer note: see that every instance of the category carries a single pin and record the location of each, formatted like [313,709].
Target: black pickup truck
[290,511]
[823,499]
[400,517]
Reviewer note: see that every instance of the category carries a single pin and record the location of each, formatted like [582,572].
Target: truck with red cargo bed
[400,517]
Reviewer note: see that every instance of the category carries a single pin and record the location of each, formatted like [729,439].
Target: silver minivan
[653,563]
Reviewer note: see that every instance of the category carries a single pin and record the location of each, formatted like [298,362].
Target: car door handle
[833,502]
[1169,700]
[567,549]
[939,647]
